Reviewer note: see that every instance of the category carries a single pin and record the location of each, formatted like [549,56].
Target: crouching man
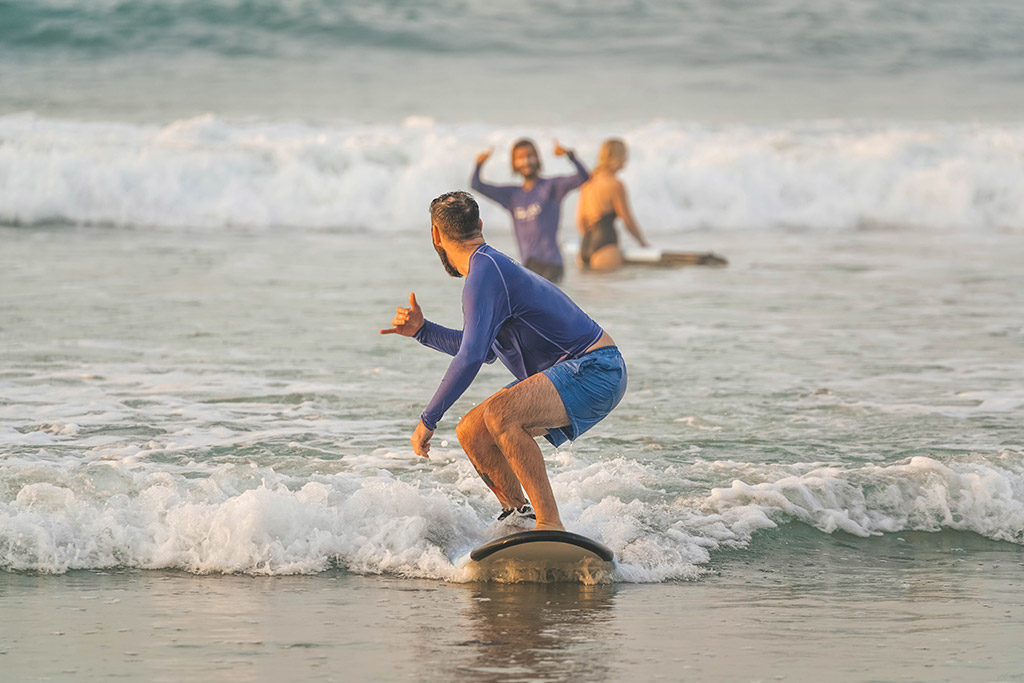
[569,372]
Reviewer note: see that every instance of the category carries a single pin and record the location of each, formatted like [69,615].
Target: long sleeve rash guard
[535,212]
[508,313]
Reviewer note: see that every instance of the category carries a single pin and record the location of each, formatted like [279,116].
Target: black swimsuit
[599,234]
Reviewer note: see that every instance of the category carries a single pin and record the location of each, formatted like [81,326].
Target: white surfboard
[649,256]
[664,258]
[543,556]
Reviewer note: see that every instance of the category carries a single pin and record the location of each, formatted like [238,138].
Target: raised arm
[620,202]
[568,183]
[501,194]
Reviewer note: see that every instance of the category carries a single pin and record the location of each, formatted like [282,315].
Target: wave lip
[920,494]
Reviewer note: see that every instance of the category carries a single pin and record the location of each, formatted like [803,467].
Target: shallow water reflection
[537,631]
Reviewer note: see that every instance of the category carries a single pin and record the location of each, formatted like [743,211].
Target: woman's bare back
[597,199]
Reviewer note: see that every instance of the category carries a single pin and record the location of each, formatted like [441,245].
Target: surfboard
[663,258]
[649,256]
[543,556]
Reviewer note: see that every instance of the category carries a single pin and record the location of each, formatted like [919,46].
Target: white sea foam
[211,173]
[371,517]
[920,494]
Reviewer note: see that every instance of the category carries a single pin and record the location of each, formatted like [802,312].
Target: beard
[529,172]
[448,267]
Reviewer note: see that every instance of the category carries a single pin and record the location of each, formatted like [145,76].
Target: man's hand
[484,156]
[421,440]
[408,321]
[561,151]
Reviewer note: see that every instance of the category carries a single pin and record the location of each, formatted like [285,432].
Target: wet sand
[914,606]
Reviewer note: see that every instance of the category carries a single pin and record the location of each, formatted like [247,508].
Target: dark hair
[521,142]
[456,215]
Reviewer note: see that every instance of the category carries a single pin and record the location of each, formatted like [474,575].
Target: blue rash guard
[508,313]
[535,212]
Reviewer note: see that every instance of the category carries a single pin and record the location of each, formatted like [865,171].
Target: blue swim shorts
[590,386]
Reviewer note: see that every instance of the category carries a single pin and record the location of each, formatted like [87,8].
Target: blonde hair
[612,150]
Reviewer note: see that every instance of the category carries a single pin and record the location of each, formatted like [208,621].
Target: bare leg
[514,417]
[488,460]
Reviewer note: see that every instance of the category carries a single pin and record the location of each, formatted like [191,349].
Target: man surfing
[569,372]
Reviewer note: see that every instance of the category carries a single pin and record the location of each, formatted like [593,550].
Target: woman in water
[602,198]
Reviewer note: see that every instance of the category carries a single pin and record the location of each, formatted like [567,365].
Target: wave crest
[208,173]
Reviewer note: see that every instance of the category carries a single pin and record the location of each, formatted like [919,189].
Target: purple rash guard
[535,213]
[509,313]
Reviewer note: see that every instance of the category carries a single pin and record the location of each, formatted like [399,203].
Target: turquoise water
[526,63]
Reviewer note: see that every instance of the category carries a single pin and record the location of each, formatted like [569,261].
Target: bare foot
[546,526]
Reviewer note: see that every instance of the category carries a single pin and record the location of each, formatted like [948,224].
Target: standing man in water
[536,207]
[569,373]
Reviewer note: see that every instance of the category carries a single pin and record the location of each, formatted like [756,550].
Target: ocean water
[224,403]
[209,209]
[520,63]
